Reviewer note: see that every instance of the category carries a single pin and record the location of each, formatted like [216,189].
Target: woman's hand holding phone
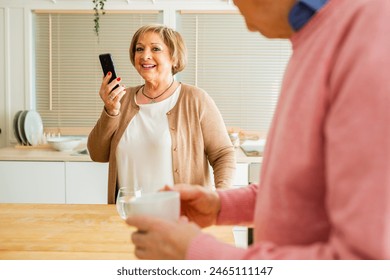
[110,96]
[111,92]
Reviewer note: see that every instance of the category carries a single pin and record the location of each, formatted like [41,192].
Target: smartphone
[108,66]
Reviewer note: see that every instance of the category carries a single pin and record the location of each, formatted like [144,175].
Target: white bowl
[64,144]
[253,145]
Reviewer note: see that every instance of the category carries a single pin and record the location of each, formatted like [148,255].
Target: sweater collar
[302,12]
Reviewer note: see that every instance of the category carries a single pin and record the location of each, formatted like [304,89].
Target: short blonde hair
[171,38]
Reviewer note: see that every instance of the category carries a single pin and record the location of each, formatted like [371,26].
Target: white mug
[163,205]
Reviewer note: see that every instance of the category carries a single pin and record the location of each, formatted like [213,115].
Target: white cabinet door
[86,182]
[32,182]
[254,172]
[240,176]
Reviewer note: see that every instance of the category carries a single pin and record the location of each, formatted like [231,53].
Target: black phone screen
[107,64]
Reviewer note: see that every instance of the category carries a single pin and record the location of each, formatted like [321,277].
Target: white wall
[16,82]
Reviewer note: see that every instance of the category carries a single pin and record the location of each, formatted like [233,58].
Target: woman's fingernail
[118,79]
[109,73]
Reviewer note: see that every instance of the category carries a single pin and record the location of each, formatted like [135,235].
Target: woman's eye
[138,49]
[156,49]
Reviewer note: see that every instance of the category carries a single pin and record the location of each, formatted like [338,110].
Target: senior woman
[162,132]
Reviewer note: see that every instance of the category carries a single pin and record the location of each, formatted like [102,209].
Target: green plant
[98,11]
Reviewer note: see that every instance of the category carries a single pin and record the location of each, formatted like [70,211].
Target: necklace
[153,99]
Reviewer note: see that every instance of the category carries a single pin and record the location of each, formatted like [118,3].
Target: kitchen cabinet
[240,178]
[53,182]
[32,182]
[246,173]
[254,172]
[48,176]
[86,182]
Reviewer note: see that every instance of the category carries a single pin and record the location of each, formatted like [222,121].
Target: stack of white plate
[28,127]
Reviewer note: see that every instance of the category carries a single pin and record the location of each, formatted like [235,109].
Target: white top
[144,156]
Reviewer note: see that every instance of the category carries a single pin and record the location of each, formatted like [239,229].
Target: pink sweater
[325,181]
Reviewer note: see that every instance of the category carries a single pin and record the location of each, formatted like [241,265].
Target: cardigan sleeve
[218,147]
[99,140]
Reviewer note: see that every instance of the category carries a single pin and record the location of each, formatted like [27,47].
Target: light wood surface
[48,154]
[44,154]
[70,232]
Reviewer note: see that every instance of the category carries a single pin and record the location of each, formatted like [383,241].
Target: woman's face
[152,58]
[269,17]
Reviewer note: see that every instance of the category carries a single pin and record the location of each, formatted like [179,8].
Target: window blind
[67,68]
[240,70]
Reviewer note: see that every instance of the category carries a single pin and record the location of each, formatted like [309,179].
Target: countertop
[71,232]
[48,154]
[40,154]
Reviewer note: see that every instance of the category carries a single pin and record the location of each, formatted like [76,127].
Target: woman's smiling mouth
[148,66]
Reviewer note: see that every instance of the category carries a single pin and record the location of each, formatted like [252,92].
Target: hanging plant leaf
[98,11]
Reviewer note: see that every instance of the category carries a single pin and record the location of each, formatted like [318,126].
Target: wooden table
[70,232]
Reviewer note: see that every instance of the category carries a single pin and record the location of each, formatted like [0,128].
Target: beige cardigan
[198,136]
